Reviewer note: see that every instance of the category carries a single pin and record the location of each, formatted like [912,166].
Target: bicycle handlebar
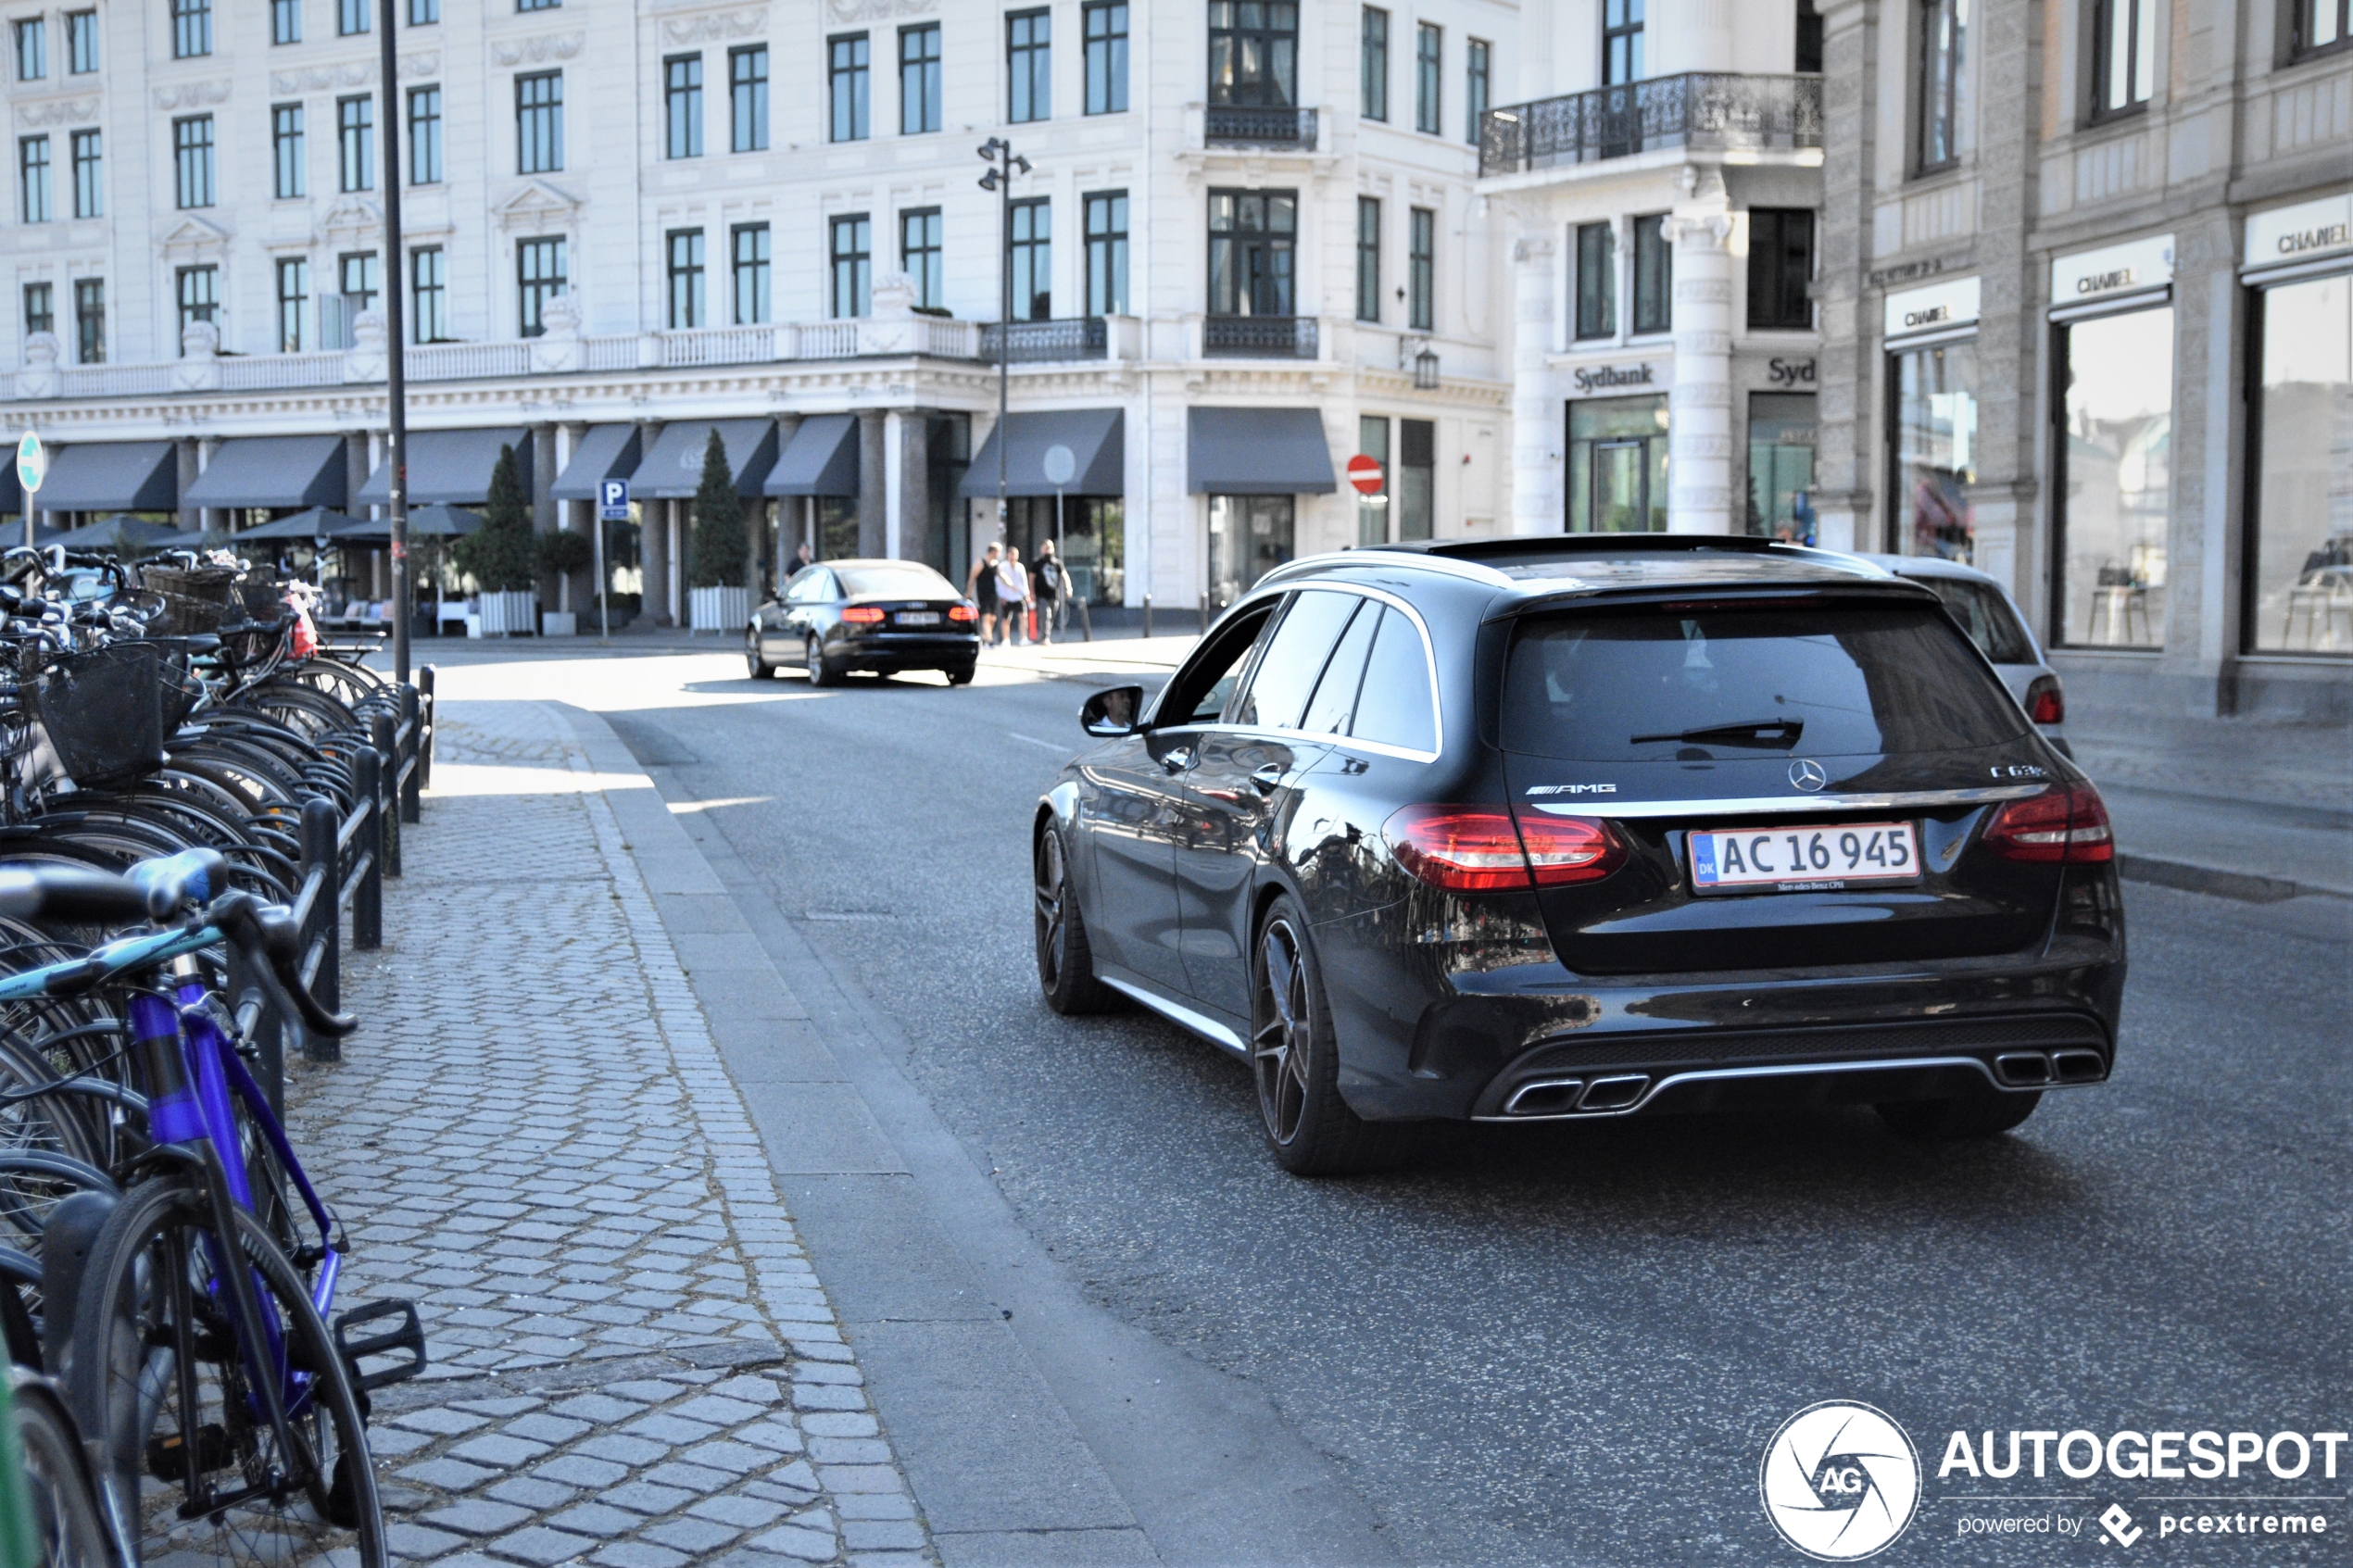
[270,932]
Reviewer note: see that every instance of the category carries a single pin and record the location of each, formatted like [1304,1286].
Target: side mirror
[1108,715]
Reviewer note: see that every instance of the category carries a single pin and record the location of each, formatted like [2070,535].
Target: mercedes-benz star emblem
[1806,774]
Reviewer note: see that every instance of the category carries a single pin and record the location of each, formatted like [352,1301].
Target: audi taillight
[2045,704]
[2068,823]
[862,615]
[1481,849]
[963,612]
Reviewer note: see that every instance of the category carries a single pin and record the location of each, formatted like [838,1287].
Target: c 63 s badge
[1840,1481]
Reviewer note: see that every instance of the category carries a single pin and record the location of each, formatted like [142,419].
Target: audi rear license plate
[919,618]
[1787,860]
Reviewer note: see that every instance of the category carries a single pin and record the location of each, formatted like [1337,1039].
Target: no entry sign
[1365,473]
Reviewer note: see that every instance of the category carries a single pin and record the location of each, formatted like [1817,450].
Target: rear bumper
[905,650]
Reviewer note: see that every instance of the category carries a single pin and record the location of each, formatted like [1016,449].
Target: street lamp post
[1003,163]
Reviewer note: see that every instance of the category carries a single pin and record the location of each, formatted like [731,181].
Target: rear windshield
[1835,681]
[1985,615]
[909,582]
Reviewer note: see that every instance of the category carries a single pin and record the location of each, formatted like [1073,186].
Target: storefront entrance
[1617,464]
[1094,540]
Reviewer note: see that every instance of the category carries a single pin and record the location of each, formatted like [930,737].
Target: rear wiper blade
[1763,731]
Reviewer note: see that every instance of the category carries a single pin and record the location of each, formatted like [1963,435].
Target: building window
[293,292]
[1253,51]
[192,161]
[429,295]
[1654,276]
[352,18]
[1104,25]
[685,279]
[1421,266]
[1596,280]
[747,99]
[919,79]
[846,73]
[1932,440]
[1368,258]
[2323,25]
[1416,478]
[2123,55]
[1808,49]
[2115,486]
[1943,41]
[1621,42]
[1780,268]
[1373,64]
[90,320]
[2299,572]
[541,273]
[539,123]
[200,292]
[920,253]
[32,179]
[1372,511]
[88,170]
[286,21]
[40,309]
[852,249]
[749,250]
[537,5]
[82,42]
[1031,255]
[191,29]
[423,13]
[1429,50]
[1617,464]
[32,49]
[681,105]
[1479,82]
[1253,237]
[1107,253]
[360,278]
[1030,66]
[356,143]
[1780,466]
[287,172]
[424,136]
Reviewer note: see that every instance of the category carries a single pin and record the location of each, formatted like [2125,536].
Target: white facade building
[628,223]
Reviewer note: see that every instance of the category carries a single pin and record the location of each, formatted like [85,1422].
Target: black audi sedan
[882,615]
[1589,826]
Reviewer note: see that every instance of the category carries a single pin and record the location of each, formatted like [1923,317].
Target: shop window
[1249,536]
[1780,466]
[2299,570]
[1934,450]
[1617,464]
[2115,483]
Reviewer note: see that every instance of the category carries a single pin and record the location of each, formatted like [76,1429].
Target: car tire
[1951,1120]
[760,668]
[1294,1057]
[1065,956]
[959,674]
[823,672]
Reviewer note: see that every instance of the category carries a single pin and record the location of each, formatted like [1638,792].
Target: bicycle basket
[181,689]
[194,601]
[264,602]
[103,711]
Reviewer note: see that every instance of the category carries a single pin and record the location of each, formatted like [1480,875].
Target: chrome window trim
[1430,668]
[1774,804]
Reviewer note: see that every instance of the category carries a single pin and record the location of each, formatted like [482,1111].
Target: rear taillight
[1480,850]
[2068,823]
[862,615]
[963,612]
[2045,704]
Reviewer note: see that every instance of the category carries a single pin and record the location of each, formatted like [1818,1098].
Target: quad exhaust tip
[2036,1070]
[1567,1097]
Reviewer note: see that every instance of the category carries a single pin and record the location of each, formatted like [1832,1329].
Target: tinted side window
[1394,707]
[1986,616]
[1277,693]
[1335,698]
[811,585]
[1198,693]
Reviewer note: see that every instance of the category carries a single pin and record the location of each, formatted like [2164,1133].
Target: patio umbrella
[318,523]
[124,533]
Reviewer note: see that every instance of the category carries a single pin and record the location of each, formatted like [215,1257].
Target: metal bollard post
[426,736]
[387,798]
[324,928]
[411,783]
[368,897]
[1148,615]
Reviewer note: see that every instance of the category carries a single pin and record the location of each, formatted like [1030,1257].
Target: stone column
[895,484]
[1537,428]
[653,541]
[543,482]
[785,530]
[1844,428]
[873,485]
[189,459]
[675,563]
[1699,404]
[572,517]
[913,453]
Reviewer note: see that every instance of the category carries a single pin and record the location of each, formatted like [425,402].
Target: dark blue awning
[272,470]
[820,459]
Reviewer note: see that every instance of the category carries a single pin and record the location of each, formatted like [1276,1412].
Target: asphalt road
[1571,1344]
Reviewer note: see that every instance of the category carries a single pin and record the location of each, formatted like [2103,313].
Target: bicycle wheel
[68,1529]
[190,1464]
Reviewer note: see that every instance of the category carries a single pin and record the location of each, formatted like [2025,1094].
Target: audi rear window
[909,582]
[1823,680]
[1986,616]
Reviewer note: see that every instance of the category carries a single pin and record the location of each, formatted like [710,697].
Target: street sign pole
[389,115]
[613,505]
[1061,466]
[32,466]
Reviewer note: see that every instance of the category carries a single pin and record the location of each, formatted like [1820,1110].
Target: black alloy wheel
[1294,1059]
[961,675]
[1066,959]
[761,670]
[823,672]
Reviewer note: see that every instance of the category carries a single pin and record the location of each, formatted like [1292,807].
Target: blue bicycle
[227,1423]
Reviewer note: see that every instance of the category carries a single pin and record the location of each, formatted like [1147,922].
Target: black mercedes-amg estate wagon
[1584,826]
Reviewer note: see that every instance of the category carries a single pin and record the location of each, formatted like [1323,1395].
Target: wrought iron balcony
[1709,111]
[1038,342]
[1258,337]
[1246,125]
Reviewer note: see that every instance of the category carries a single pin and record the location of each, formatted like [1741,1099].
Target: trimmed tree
[500,555]
[720,551]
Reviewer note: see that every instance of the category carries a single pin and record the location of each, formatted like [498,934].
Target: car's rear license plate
[919,618]
[1808,859]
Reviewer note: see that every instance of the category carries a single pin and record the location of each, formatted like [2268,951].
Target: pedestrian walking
[982,588]
[1047,584]
[1012,594]
[802,557]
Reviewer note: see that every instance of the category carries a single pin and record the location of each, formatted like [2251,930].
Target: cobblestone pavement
[532,1136]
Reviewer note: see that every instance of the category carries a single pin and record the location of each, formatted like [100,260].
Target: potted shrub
[561,555]
[720,553]
[500,558]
